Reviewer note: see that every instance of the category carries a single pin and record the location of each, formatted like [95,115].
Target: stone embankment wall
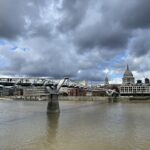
[65,98]
[91,98]
[83,98]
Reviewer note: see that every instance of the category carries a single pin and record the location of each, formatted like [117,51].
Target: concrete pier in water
[53,104]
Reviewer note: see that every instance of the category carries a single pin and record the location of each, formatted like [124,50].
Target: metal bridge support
[112,99]
[53,104]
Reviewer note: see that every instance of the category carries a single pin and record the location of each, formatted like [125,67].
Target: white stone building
[129,88]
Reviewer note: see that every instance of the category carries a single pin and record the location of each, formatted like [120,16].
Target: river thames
[25,125]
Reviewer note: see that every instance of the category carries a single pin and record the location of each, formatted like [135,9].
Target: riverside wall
[61,98]
[83,98]
[103,99]
[91,98]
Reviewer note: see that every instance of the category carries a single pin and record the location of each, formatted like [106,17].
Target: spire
[128,73]
[106,80]
[127,67]
[128,76]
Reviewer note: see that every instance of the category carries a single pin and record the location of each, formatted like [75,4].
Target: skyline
[84,40]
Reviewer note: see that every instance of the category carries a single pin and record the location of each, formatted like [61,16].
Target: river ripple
[80,126]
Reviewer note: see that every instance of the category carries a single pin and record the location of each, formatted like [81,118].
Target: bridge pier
[112,99]
[53,104]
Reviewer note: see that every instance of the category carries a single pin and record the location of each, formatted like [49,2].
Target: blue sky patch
[2,42]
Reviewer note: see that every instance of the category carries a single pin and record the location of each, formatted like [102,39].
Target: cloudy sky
[82,39]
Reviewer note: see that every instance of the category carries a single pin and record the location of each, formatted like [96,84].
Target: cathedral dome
[128,77]
[128,73]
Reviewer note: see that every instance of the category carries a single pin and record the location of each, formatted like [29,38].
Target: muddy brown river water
[25,125]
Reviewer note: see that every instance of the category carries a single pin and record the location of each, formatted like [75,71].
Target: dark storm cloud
[11,22]
[13,14]
[136,14]
[78,38]
[73,14]
[130,14]
[42,30]
[89,31]
[112,27]
[140,45]
[99,35]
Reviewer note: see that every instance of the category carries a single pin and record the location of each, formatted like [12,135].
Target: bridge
[38,87]
[41,87]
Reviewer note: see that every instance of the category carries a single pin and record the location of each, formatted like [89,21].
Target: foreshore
[102,99]
[8,98]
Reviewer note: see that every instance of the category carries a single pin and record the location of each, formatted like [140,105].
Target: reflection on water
[80,125]
[52,129]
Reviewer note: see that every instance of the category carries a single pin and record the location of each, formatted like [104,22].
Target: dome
[128,77]
[128,73]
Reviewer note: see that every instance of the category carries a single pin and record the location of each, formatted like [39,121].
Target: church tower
[128,78]
[106,80]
